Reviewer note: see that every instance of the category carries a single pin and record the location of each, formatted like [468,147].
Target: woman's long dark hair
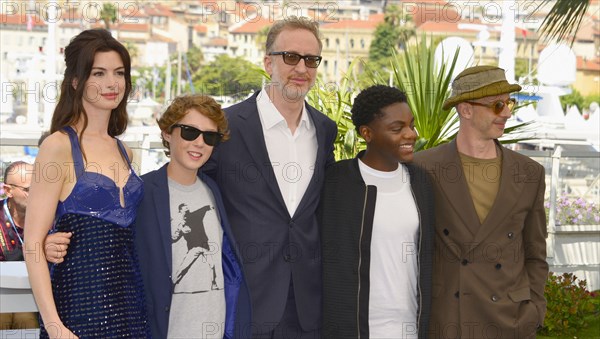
[79,58]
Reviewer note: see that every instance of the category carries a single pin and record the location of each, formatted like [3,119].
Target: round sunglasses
[292,59]
[498,105]
[190,133]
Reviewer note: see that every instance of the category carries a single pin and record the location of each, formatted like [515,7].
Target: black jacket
[346,214]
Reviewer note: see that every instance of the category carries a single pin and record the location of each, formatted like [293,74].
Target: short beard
[293,93]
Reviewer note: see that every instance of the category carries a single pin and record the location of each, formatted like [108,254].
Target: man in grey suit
[489,267]
[271,174]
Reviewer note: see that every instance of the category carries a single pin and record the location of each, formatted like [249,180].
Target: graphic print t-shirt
[198,302]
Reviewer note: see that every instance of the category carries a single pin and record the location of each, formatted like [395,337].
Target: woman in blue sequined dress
[84,184]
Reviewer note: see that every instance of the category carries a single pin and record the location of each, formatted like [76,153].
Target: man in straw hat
[490,262]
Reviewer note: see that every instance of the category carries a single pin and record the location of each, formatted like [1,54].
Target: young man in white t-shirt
[377,228]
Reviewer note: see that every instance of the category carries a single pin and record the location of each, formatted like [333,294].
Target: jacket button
[456,294]
[287,258]
[510,235]
[498,266]
[446,232]
[464,262]
[291,224]
[167,308]
[495,298]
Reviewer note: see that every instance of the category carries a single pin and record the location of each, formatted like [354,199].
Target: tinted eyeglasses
[190,133]
[23,188]
[498,105]
[311,61]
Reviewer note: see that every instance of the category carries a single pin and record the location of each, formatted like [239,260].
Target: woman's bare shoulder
[56,146]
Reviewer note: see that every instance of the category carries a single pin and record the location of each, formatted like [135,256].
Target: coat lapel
[319,160]
[511,185]
[160,196]
[453,184]
[253,137]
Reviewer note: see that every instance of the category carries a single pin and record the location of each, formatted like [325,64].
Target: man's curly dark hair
[369,102]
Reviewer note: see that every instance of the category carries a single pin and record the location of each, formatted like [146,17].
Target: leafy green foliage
[226,76]
[575,98]
[108,14]
[393,32]
[195,58]
[563,20]
[426,86]
[142,80]
[522,68]
[413,71]
[568,304]
[335,101]
[589,99]
[384,42]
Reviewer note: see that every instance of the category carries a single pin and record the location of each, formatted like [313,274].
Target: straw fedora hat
[479,82]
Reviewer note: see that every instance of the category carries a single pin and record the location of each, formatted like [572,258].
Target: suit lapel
[160,196]
[254,138]
[319,160]
[454,187]
[511,184]
[214,189]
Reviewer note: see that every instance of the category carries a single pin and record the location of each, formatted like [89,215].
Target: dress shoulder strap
[75,151]
[124,152]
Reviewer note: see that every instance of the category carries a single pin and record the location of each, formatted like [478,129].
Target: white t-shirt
[198,301]
[394,270]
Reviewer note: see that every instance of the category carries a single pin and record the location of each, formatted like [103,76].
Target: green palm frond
[335,101]
[563,20]
[427,86]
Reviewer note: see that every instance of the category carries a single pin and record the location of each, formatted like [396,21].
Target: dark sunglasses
[498,105]
[24,189]
[190,133]
[292,59]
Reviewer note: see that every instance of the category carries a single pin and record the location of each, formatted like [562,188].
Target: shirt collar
[271,117]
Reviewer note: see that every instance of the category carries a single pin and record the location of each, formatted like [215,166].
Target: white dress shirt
[292,156]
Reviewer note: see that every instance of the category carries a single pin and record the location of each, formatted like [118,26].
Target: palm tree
[108,14]
[564,19]
[426,84]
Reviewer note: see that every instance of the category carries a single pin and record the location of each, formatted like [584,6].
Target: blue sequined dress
[98,288]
